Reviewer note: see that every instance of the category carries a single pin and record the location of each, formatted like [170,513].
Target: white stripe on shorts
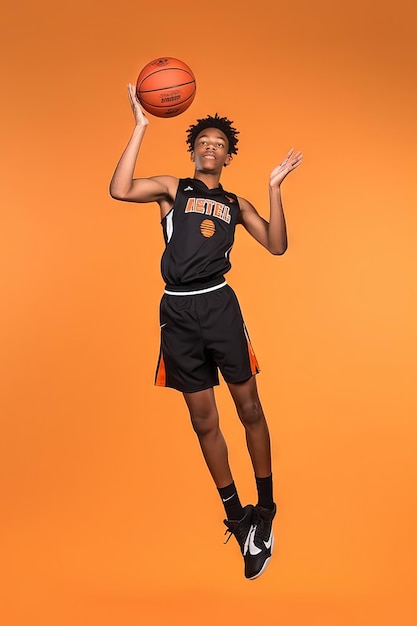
[193,293]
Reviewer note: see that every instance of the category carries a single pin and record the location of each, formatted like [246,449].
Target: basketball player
[202,329]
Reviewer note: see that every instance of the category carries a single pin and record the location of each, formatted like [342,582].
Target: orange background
[85,436]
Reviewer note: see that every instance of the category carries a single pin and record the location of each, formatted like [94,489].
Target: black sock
[264,487]
[231,502]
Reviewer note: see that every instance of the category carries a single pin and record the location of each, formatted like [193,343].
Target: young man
[202,329]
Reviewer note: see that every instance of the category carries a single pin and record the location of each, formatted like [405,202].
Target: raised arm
[273,234]
[123,185]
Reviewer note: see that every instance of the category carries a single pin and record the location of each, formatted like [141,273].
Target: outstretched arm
[273,234]
[123,185]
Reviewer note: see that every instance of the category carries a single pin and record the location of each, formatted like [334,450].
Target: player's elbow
[117,193]
[279,250]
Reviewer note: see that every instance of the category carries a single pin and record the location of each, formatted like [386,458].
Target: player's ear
[228,160]
[192,156]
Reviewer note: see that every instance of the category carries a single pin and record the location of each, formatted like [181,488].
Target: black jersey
[199,233]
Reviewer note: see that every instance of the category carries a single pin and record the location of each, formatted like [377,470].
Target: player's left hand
[139,115]
[291,161]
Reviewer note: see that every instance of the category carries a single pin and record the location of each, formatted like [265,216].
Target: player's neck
[210,180]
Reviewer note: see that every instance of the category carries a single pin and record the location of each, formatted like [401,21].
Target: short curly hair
[222,123]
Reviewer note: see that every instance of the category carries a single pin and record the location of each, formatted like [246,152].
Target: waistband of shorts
[194,290]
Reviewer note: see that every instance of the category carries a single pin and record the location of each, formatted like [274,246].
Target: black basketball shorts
[203,332]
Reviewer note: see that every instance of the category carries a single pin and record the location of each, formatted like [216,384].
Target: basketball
[166,87]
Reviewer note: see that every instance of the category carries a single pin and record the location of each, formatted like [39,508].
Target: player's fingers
[288,162]
[289,157]
[296,158]
[132,95]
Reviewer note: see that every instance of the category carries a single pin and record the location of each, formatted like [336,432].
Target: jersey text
[208,207]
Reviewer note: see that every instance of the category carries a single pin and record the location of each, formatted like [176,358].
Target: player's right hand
[139,115]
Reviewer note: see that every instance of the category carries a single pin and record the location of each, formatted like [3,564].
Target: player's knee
[251,413]
[204,423]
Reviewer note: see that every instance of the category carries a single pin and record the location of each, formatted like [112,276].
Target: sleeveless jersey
[199,233]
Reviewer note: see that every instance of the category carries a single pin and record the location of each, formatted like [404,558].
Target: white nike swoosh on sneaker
[253,549]
[162,325]
[246,545]
[268,543]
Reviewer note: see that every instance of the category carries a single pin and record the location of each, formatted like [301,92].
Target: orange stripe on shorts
[254,365]
[161,377]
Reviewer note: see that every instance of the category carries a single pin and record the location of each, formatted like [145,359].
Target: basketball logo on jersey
[207,228]
[209,207]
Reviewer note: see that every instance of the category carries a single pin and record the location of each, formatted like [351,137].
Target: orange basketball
[166,87]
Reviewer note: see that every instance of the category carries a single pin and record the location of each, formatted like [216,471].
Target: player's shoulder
[188,185]
[244,204]
[168,182]
[246,210]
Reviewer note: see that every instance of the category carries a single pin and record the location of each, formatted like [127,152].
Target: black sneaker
[241,529]
[260,542]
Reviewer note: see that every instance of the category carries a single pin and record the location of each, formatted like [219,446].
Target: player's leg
[230,348]
[249,409]
[205,421]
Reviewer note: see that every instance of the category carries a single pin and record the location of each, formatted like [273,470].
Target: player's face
[211,150]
